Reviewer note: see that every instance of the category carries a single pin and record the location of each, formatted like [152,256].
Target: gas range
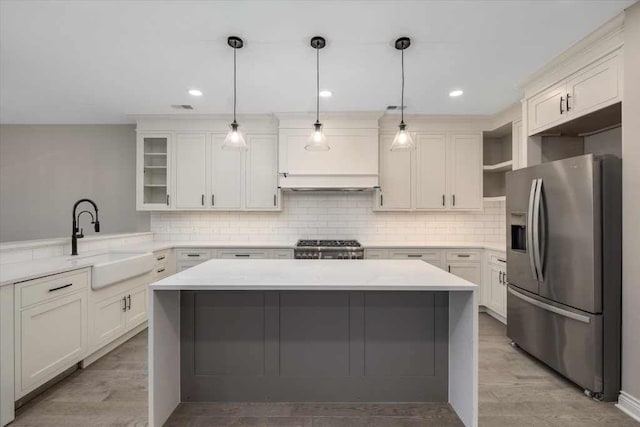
[328,249]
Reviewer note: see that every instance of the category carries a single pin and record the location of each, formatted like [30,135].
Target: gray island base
[313,331]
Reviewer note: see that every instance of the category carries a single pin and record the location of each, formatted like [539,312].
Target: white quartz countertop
[25,270]
[346,275]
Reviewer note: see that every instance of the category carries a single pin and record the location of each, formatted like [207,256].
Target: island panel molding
[314,346]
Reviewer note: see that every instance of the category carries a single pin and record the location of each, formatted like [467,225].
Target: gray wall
[44,169]
[631,205]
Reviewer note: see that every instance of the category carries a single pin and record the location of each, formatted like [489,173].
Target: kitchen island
[313,330]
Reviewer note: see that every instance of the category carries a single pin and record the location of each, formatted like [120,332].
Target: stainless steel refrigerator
[564,262]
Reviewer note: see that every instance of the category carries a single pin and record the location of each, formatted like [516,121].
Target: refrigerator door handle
[551,308]
[532,193]
[536,231]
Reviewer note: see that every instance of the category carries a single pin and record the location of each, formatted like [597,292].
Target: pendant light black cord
[402,91]
[317,85]
[234,84]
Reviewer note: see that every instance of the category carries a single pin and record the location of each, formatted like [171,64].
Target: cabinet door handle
[414,255]
[561,101]
[502,260]
[504,278]
[568,107]
[213,200]
[463,255]
[167,200]
[275,200]
[60,287]
[381,200]
[161,270]
[160,258]
[124,299]
[202,200]
[243,255]
[454,199]
[443,200]
[193,255]
[129,299]
[449,268]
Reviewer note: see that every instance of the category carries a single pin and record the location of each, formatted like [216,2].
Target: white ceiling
[98,61]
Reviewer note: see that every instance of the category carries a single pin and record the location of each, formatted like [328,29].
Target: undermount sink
[114,267]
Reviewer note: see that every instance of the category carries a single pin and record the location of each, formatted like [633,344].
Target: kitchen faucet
[77,232]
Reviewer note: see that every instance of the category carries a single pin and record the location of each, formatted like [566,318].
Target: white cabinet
[190,171]
[494,285]
[282,254]
[108,320]
[444,172]
[50,328]
[136,307]
[244,254]
[431,171]
[465,173]
[432,256]
[117,309]
[226,176]
[547,108]
[594,87]
[589,89]
[262,173]
[395,177]
[153,171]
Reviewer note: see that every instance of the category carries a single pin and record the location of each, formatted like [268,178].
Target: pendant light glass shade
[403,140]
[317,139]
[234,139]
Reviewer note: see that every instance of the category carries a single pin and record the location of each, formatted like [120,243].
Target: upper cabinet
[592,88]
[443,172]
[153,171]
[186,168]
[395,177]
[190,171]
[465,172]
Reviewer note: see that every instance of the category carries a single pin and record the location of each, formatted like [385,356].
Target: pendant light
[235,139]
[317,140]
[403,140]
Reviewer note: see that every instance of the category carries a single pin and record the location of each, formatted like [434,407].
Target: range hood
[351,164]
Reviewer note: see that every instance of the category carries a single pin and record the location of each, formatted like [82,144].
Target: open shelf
[499,167]
[495,199]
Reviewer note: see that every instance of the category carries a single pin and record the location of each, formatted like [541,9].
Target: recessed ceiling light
[455,93]
[195,92]
[325,93]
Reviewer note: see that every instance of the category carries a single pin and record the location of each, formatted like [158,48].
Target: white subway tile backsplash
[338,216]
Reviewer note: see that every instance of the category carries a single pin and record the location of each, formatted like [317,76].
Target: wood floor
[515,390]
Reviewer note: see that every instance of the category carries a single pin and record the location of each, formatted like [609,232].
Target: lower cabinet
[187,258]
[50,328]
[117,309]
[494,290]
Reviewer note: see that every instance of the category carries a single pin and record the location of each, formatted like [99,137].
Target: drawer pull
[243,255]
[414,255]
[129,300]
[160,258]
[502,260]
[161,270]
[193,255]
[124,299]
[60,287]
[463,255]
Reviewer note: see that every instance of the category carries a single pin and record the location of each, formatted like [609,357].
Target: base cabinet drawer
[50,338]
[243,254]
[282,254]
[470,255]
[48,288]
[376,254]
[193,254]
